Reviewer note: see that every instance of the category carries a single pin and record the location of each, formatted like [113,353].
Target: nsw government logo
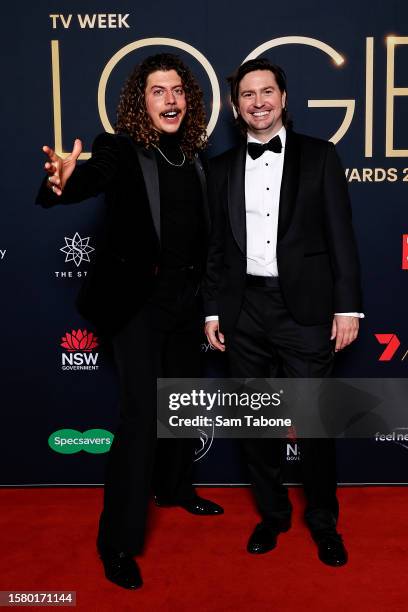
[292,451]
[292,446]
[79,346]
[77,250]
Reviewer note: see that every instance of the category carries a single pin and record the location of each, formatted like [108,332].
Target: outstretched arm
[69,182]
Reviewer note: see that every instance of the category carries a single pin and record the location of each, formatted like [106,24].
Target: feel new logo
[70,441]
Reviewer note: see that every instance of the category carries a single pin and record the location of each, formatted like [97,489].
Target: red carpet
[200,564]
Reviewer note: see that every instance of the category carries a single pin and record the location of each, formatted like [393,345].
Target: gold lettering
[369,96]
[354,176]
[112,21]
[66,22]
[349,105]
[86,21]
[370,175]
[54,21]
[392,92]
[122,21]
[56,95]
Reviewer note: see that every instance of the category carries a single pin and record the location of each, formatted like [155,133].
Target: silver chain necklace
[167,159]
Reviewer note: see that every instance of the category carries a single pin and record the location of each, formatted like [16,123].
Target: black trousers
[162,340]
[267,342]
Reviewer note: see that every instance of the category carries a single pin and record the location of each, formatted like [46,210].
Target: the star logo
[77,249]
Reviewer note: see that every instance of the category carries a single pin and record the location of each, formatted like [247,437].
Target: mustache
[173,109]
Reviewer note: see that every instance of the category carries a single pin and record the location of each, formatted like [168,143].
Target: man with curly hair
[142,291]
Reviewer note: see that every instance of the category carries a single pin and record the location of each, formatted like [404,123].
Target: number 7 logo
[392,342]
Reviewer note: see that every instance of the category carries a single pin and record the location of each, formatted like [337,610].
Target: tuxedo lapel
[203,182]
[150,173]
[290,183]
[236,196]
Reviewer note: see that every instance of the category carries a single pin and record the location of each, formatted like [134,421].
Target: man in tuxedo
[282,284]
[142,290]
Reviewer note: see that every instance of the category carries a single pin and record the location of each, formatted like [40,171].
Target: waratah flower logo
[79,340]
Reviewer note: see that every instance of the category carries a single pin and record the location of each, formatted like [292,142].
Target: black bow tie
[255,149]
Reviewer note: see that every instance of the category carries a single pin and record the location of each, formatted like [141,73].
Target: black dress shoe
[264,538]
[196,505]
[121,569]
[201,506]
[330,547]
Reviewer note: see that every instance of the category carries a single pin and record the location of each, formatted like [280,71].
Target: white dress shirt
[263,178]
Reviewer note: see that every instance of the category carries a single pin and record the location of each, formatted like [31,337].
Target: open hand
[59,170]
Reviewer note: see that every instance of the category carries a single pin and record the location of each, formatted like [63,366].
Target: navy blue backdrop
[347,81]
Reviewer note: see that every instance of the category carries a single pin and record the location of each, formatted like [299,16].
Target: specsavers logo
[70,441]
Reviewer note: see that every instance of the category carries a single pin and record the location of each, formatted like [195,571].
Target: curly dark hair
[132,117]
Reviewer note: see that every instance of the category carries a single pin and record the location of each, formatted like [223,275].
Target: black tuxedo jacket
[316,249]
[121,279]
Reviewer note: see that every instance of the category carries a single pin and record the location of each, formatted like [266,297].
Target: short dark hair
[259,63]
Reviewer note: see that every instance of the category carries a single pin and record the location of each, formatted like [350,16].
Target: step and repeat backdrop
[63,65]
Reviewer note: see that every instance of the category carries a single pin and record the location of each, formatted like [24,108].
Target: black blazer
[316,248]
[121,278]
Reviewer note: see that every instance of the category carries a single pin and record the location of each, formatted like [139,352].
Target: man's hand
[214,336]
[59,170]
[345,330]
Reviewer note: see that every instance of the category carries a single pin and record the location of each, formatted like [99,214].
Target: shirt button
[268,241]
[266,164]
[267,189]
[267,214]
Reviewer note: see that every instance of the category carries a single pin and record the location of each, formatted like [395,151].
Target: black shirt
[181,206]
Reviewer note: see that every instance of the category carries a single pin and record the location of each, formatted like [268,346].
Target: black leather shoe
[122,569]
[330,547]
[264,538]
[197,505]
